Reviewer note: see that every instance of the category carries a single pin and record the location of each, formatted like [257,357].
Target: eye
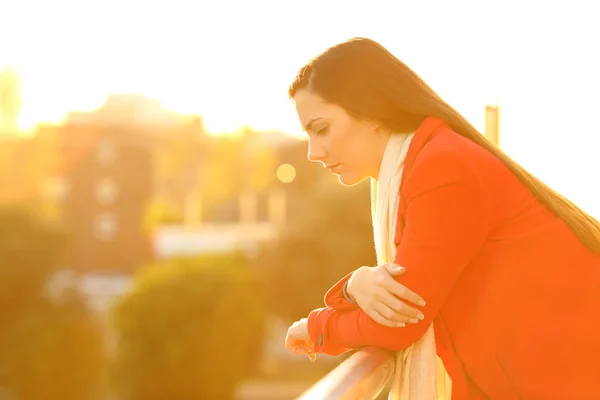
[322,131]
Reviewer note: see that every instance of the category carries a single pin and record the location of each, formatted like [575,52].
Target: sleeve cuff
[317,330]
[337,297]
[316,325]
[345,293]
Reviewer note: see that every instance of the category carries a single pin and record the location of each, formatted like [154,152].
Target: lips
[332,167]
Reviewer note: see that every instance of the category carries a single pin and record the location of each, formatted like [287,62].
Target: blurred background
[160,225]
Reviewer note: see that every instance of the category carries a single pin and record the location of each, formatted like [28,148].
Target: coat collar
[424,134]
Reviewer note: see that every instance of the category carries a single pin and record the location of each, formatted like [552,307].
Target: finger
[398,310]
[302,349]
[382,320]
[291,342]
[394,269]
[299,346]
[299,349]
[395,310]
[295,349]
[391,318]
[402,292]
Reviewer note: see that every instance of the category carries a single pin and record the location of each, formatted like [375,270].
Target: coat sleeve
[445,226]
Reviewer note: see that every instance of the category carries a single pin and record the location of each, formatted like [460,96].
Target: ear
[372,125]
[380,130]
[376,126]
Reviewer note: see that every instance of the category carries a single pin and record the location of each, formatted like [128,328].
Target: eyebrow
[310,123]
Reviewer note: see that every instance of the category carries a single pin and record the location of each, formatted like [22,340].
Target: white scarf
[420,374]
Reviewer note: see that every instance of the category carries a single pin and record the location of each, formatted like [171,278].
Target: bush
[190,329]
[53,351]
[30,252]
[49,348]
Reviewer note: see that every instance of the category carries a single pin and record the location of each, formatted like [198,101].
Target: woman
[508,269]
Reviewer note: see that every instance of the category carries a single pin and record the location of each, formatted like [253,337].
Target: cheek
[334,145]
[340,144]
[351,149]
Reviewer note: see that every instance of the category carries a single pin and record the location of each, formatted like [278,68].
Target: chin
[350,180]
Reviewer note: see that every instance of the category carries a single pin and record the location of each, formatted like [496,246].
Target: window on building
[105,226]
[106,152]
[106,191]
[56,188]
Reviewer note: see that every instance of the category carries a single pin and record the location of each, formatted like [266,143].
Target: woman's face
[349,147]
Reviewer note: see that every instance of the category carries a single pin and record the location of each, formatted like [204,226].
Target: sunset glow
[231,62]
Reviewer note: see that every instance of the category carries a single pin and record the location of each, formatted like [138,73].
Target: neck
[390,141]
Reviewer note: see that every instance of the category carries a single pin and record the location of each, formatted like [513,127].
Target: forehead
[310,106]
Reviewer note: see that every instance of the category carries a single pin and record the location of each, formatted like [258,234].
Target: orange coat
[513,294]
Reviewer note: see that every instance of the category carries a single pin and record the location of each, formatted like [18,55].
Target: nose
[316,152]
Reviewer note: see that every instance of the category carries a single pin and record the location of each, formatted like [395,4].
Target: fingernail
[421,316]
[414,321]
[399,269]
[400,324]
[422,303]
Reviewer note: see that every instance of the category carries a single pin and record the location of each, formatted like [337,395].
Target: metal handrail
[362,376]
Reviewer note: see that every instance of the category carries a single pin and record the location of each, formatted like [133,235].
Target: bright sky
[232,60]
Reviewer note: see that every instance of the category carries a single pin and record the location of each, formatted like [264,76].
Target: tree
[10,101]
[54,351]
[50,347]
[328,235]
[30,252]
[190,329]
[159,212]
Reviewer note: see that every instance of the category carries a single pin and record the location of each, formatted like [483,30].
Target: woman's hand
[298,340]
[382,298]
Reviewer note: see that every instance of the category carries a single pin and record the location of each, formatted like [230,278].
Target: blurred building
[104,182]
[104,179]
[106,173]
[129,110]
[108,169]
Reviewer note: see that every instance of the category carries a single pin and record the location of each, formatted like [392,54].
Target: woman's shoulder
[448,156]
[446,144]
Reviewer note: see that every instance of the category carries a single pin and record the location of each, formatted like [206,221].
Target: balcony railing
[362,376]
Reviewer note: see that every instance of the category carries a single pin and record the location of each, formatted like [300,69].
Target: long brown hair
[369,82]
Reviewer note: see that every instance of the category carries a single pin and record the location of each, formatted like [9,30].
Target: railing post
[492,124]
